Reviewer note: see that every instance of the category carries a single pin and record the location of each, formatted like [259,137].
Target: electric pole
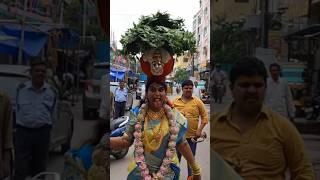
[265,23]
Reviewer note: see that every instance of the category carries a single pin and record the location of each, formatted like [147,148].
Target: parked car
[91,95]
[114,85]
[61,134]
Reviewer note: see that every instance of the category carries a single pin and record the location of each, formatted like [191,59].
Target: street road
[83,131]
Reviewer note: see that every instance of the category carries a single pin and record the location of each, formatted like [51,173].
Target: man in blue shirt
[36,103]
[120,99]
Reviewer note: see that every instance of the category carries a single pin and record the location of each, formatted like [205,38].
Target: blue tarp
[131,73]
[102,51]
[34,40]
[117,73]
[69,40]
[143,77]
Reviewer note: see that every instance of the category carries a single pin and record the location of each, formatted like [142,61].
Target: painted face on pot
[156,64]
[156,96]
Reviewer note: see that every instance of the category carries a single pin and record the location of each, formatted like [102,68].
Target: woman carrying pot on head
[157,133]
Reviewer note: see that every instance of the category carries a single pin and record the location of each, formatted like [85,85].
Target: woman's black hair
[150,81]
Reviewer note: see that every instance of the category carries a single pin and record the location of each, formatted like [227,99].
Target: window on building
[199,37]
[199,20]
[185,60]
[198,30]
[205,51]
[242,1]
[205,31]
[200,1]
[206,11]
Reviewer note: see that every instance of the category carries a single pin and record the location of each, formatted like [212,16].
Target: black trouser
[31,151]
[120,108]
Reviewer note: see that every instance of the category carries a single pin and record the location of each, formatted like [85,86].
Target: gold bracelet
[195,169]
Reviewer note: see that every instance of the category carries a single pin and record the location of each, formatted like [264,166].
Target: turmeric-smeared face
[156,95]
[156,64]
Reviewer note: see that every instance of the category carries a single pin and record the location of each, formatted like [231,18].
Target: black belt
[120,102]
[44,127]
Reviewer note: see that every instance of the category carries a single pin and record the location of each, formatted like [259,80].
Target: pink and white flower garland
[171,150]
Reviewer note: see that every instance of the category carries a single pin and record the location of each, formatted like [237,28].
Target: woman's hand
[118,143]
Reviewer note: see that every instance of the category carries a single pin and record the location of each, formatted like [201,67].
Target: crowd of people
[252,138]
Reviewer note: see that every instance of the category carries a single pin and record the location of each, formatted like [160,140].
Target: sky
[123,13]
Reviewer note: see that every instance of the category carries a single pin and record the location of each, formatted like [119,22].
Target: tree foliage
[229,40]
[155,31]
[72,13]
[181,75]
[73,18]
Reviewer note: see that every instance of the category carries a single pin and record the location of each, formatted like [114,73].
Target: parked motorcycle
[118,127]
[315,108]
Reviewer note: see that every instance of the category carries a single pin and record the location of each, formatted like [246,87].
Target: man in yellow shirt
[192,108]
[256,141]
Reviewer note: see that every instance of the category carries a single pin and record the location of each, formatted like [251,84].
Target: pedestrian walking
[35,109]
[6,144]
[120,97]
[218,83]
[196,90]
[255,140]
[278,94]
[192,108]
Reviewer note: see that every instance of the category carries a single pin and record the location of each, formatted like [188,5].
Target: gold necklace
[156,137]
[155,115]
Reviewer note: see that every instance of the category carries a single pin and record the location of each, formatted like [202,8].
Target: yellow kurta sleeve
[298,161]
[203,112]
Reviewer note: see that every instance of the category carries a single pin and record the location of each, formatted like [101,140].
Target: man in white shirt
[218,79]
[278,94]
[196,90]
[120,100]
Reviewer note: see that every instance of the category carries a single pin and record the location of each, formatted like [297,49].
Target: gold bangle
[196,170]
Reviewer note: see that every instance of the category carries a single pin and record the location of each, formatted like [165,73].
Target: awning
[309,32]
[34,40]
[117,73]
[69,40]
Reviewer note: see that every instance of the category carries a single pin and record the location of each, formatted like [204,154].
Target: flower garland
[139,157]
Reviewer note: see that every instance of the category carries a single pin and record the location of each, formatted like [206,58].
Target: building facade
[183,62]
[234,9]
[201,29]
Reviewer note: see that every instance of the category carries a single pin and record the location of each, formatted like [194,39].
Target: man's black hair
[274,65]
[187,82]
[248,66]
